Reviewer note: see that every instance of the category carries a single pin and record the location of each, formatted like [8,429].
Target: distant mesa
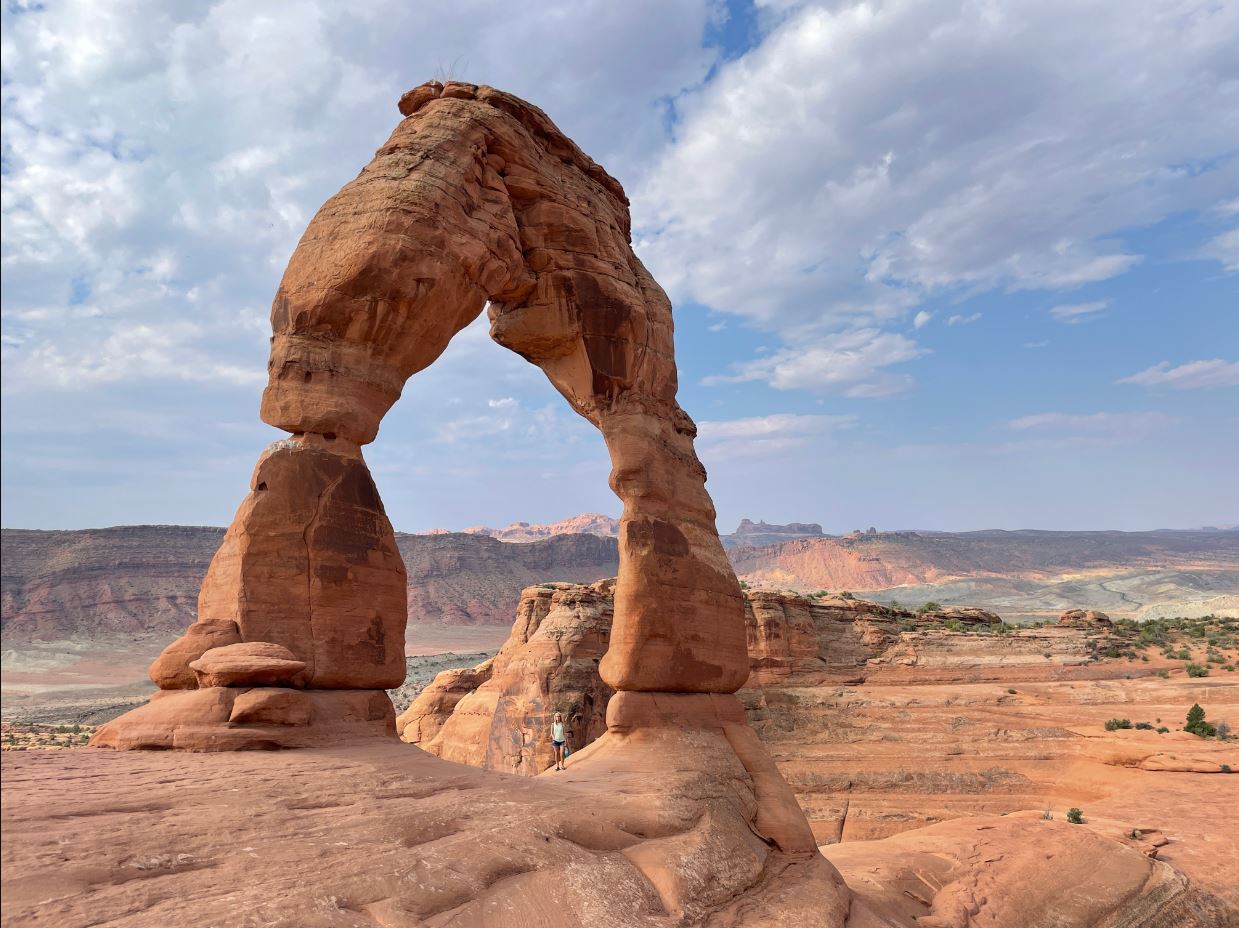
[752,534]
[588,523]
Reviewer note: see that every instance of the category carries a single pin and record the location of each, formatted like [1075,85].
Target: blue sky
[946,265]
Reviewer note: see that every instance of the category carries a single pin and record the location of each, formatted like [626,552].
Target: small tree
[1196,723]
[930,606]
[1075,816]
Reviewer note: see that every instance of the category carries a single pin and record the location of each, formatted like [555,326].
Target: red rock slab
[249,663]
[171,671]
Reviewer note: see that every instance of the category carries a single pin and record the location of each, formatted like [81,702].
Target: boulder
[250,663]
[1081,618]
[171,671]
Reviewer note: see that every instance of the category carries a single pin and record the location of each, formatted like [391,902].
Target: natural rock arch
[476,199]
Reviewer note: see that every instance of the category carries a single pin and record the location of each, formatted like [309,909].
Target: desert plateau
[471,646]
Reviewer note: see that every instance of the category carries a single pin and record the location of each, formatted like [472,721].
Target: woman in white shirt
[557,740]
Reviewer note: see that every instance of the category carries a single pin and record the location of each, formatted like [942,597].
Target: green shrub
[1075,816]
[1115,724]
[1195,670]
[930,606]
[1162,729]
[1226,768]
[1196,723]
[1144,726]
[846,595]
[1164,674]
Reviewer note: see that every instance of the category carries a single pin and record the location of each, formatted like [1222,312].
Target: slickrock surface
[656,832]
[388,835]
[887,721]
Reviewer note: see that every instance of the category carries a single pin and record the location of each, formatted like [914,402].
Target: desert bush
[930,606]
[1164,674]
[1162,729]
[954,625]
[1223,729]
[1183,654]
[1226,768]
[1115,724]
[1196,670]
[1196,723]
[846,595]
[1075,816]
[1048,815]
[1144,726]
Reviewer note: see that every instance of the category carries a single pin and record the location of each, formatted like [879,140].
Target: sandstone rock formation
[497,714]
[549,665]
[1085,618]
[478,199]
[750,534]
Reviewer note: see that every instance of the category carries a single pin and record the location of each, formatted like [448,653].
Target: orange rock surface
[549,665]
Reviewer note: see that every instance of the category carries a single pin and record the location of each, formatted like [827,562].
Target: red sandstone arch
[475,198]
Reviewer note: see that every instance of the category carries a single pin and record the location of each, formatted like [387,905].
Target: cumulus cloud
[1194,375]
[1078,312]
[921,319]
[866,156]
[192,143]
[959,319]
[851,363]
[1100,423]
[765,434]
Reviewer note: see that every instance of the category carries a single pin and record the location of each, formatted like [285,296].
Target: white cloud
[1225,249]
[163,158]
[850,362]
[760,435]
[958,319]
[776,424]
[921,319]
[1099,423]
[1078,312]
[1194,375]
[868,155]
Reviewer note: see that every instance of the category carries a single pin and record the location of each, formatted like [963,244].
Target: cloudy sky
[945,265]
